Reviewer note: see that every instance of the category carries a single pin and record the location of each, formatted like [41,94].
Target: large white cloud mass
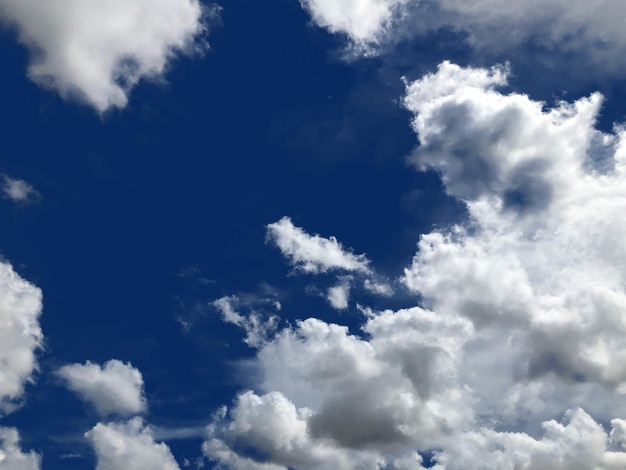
[577,27]
[12,457]
[97,51]
[129,446]
[115,388]
[20,334]
[516,354]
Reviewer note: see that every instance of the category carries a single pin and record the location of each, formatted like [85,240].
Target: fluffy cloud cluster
[364,21]
[129,445]
[116,388]
[12,457]
[567,26]
[520,317]
[20,334]
[97,51]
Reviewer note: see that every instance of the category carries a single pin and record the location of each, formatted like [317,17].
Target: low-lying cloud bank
[514,355]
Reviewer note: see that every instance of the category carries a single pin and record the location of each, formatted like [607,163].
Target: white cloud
[339,295]
[363,21]
[333,400]
[546,241]
[19,191]
[20,334]
[378,288]
[520,315]
[129,446]
[114,388]
[313,253]
[97,50]
[12,457]
[258,326]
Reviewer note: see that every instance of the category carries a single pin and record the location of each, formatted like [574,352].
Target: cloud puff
[130,446]
[97,51]
[19,191]
[115,388]
[520,316]
[313,253]
[20,334]
[339,295]
[12,457]
[363,21]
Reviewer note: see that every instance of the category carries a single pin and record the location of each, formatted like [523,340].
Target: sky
[280,234]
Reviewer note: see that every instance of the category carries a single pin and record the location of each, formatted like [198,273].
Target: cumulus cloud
[20,334]
[313,253]
[520,316]
[11,455]
[98,51]
[545,244]
[568,27]
[19,191]
[129,445]
[116,388]
[335,400]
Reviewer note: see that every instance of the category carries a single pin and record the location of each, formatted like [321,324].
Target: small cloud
[19,191]
[116,388]
[313,254]
[339,295]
